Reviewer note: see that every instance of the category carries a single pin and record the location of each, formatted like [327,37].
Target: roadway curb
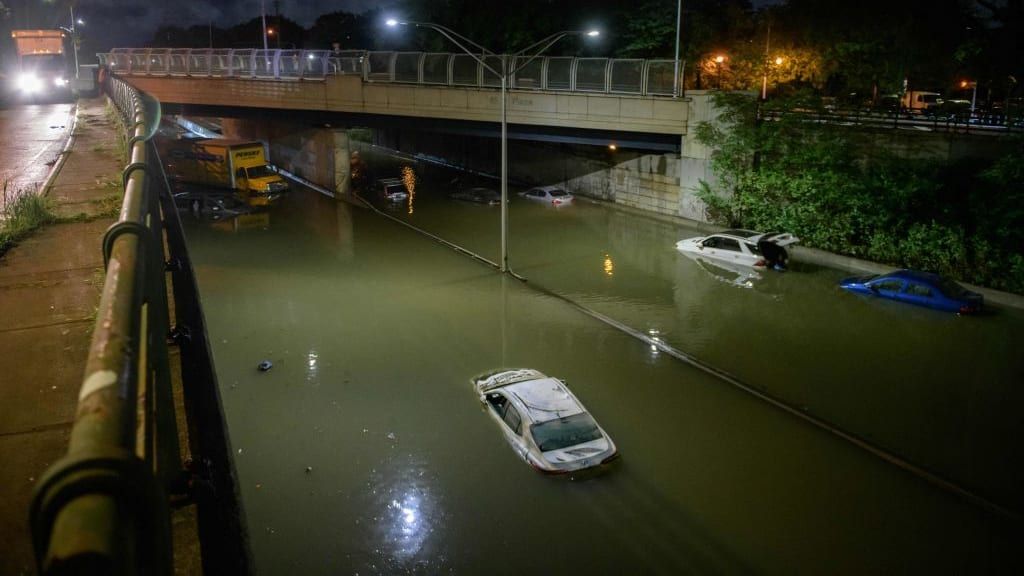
[63,156]
[822,257]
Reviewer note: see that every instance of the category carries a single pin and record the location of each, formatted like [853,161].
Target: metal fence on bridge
[553,73]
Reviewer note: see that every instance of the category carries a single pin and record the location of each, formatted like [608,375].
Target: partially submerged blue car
[920,288]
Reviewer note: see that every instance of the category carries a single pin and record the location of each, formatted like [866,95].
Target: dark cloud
[133,22]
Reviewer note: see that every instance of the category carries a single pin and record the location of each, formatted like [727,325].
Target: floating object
[265,365]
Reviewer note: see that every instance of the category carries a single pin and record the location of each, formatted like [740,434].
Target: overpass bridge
[599,101]
[301,101]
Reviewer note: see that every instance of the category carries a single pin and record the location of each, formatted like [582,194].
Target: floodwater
[365,451]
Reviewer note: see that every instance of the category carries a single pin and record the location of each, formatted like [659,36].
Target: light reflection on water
[365,449]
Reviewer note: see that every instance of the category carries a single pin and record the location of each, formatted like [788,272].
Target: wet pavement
[34,135]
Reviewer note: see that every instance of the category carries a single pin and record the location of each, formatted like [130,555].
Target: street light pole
[506,72]
[74,37]
[263,16]
[675,68]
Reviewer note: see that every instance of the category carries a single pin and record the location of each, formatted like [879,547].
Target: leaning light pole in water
[505,74]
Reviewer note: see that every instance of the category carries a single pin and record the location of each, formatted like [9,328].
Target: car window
[498,402]
[888,285]
[558,192]
[752,248]
[710,242]
[950,288]
[513,420]
[729,244]
[919,290]
[535,193]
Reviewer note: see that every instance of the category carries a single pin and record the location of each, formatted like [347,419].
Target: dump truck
[42,68]
[238,165]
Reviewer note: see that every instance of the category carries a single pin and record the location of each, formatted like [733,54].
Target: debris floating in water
[309,469]
[265,365]
[391,435]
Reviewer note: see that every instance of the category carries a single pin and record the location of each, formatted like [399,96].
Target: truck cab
[259,185]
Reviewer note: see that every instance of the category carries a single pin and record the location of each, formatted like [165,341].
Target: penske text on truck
[236,164]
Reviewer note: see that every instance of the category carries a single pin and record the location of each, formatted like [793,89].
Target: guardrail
[553,73]
[104,508]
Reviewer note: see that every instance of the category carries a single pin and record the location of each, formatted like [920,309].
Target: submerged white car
[554,195]
[542,420]
[743,247]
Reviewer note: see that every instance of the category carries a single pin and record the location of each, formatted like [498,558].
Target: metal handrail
[103,507]
[382,67]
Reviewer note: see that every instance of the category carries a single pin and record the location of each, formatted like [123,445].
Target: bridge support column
[342,163]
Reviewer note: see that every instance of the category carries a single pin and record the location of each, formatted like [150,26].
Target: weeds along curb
[48,183]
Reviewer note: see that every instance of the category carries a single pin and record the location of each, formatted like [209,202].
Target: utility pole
[767,51]
[675,69]
[263,16]
[277,16]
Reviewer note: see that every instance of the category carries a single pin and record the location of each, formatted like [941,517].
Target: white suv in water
[542,420]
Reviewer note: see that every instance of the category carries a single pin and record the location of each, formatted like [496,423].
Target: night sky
[132,22]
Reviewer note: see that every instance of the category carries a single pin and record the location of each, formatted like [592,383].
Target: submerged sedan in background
[542,420]
[478,195]
[920,288]
[743,247]
[553,195]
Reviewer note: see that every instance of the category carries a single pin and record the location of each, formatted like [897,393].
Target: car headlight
[29,83]
[60,81]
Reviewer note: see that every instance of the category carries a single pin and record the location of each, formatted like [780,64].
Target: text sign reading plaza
[530,53]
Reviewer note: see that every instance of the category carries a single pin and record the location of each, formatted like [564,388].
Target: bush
[835,189]
[23,211]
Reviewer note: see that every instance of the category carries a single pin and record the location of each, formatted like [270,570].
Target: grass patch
[24,210]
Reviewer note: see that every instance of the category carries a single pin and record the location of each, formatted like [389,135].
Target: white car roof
[549,188]
[544,399]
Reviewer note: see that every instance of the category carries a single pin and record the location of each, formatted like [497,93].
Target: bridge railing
[248,63]
[104,508]
[552,73]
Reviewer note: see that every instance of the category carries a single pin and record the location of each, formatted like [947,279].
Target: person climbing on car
[775,256]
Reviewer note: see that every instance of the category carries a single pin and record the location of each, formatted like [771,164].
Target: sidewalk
[49,289]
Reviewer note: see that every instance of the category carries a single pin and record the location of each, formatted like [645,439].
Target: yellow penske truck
[239,165]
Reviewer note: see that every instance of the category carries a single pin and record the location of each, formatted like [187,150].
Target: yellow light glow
[409,179]
[613,147]
[719,59]
[778,60]
[609,266]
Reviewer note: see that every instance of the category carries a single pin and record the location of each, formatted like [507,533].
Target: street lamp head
[778,61]
[593,33]
[719,59]
[392,22]
[80,22]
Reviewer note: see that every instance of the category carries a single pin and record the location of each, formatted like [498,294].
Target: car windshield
[565,432]
[558,192]
[950,288]
[259,171]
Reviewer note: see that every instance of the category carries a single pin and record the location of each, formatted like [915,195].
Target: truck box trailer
[239,165]
[42,68]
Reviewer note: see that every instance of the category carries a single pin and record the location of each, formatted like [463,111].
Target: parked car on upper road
[542,420]
[743,247]
[920,288]
[554,195]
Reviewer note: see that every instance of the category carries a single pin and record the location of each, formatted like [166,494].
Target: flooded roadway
[365,451]
[33,137]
